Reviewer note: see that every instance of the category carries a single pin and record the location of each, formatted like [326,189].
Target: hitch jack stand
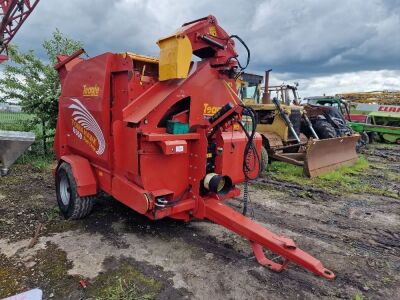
[263,260]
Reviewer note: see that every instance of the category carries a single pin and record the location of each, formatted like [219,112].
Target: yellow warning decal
[236,126]
[212,30]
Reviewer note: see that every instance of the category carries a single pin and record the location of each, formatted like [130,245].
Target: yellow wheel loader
[288,135]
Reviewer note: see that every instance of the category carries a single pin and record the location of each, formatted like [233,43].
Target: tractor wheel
[362,141]
[372,137]
[263,160]
[324,129]
[70,203]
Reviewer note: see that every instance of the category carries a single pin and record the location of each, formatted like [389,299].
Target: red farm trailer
[164,136]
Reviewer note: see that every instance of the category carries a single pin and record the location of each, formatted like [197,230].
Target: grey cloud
[301,37]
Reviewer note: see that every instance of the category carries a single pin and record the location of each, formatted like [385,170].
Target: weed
[124,283]
[39,162]
[358,297]
[52,214]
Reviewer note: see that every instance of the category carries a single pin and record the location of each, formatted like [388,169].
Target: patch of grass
[393,176]
[53,262]
[381,146]
[40,162]
[288,172]
[346,179]
[52,213]
[124,283]
[345,173]
[49,273]
[358,297]
[15,121]
[8,277]
[284,171]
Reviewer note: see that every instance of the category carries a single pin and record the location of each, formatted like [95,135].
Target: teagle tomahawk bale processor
[163,136]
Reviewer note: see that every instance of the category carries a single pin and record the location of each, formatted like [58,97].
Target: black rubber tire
[324,129]
[365,138]
[362,142]
[263,160]
[77,207]
[372,137]
[381,138]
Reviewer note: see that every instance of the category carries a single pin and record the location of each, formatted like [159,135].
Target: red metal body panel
[173,147]
[113,114]
[232,145]
[130,194]
[357,118]
[83,174]
[87,98]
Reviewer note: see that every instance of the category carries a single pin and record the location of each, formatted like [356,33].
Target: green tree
[35,83]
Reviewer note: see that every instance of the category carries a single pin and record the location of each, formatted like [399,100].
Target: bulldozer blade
[323,156]
[291,158]
[12,145]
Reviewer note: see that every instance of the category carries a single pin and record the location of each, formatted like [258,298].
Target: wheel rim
[65,189]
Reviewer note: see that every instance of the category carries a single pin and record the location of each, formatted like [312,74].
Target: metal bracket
[263,260]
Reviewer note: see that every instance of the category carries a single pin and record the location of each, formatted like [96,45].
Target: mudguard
[83,174]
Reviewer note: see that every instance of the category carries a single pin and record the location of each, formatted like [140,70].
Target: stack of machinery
[372,121]
[378,97]
[314,137]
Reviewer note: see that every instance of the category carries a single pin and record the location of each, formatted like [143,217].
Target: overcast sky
[327,46]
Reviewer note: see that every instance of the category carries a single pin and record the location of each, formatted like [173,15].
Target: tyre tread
[82,206]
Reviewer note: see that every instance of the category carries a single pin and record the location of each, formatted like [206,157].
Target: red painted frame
[136,164]
[13,14]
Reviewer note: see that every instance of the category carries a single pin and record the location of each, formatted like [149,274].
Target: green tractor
[380,123]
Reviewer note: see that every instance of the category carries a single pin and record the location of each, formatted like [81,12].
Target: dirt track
[355,235]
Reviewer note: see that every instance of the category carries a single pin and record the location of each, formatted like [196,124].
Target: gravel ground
[119,252]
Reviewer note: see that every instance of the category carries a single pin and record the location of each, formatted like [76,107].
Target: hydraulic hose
[249,152]
[234,36]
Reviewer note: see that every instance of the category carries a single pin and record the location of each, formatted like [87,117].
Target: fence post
[44,137]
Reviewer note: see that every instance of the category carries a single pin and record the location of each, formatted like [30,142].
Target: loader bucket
[12,145]
[323,156]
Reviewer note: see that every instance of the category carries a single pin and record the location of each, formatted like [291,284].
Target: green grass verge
[40,162]
[347,179]
[14,121]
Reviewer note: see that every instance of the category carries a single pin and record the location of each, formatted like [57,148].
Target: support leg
[263,260]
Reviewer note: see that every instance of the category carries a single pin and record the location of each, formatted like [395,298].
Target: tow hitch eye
[218,184]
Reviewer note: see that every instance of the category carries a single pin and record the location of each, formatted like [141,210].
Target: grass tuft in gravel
[124,283]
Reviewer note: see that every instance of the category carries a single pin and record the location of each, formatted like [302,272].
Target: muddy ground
[121,255]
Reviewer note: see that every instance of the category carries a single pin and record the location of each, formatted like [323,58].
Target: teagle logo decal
[90,91]
[86,128]
[209,110]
